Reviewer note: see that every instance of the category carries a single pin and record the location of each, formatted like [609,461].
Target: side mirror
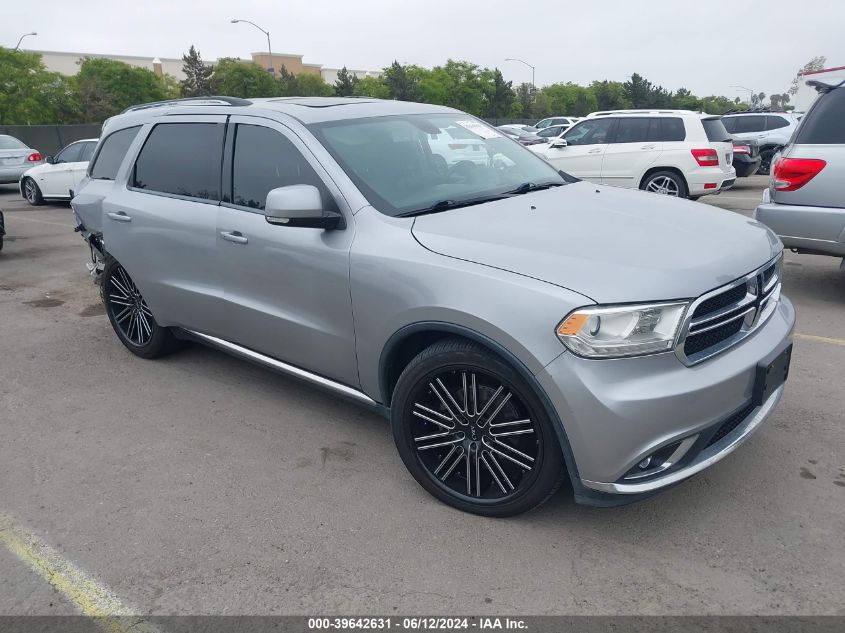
[300,206]
[50,160]
[559,143]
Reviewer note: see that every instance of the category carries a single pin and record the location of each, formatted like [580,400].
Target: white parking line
[17,218]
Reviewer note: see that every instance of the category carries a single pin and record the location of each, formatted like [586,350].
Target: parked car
[58,175]
[804,203]
[747,159]
[514,324]
[524,137]
[551,132]
[15,158]
[771,130]
[556,120]
[673,152]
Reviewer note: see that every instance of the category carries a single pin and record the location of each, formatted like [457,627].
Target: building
[805,96]
[67,63]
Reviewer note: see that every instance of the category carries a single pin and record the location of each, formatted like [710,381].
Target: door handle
[235,237]
[120,216]
[647,147]
[595,151]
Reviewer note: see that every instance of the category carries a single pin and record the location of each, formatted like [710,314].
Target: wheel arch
[411,339]
[654,170]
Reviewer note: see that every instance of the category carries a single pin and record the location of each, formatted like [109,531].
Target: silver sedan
[15,158]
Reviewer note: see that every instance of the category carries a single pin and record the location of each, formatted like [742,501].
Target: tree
[344,86]
[638,91]
[610,95]
[817,63]
[778,102]
[757,100]
[312,85]
[374,87]
[401,84]
[197,81]
[30,95]
[287,83]
[525,95]
[107,86]
[498,93]
[234,78]
[683,99]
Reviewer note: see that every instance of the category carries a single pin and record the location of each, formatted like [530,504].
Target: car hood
[612,245]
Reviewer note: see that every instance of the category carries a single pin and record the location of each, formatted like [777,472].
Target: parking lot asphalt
[199,484]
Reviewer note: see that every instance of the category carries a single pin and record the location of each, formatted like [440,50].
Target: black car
[746,157]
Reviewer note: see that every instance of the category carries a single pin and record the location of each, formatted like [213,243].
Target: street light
[272,69]
[511,59]
[750,92]
[18,45]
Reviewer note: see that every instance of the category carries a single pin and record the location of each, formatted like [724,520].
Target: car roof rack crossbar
[210,101]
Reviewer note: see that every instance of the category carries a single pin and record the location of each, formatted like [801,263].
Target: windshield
[10,142]
[404,164]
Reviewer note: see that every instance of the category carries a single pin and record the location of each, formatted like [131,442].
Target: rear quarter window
[671,129]
[715,130]
[112,152]
[776,122]
[825,122]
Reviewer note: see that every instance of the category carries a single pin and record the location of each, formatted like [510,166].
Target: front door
[286,288]
[632,151]
[583,155]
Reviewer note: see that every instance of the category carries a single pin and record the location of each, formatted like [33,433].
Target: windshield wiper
[445,205]
[528,187]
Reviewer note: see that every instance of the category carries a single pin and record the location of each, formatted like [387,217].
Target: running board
[284,368]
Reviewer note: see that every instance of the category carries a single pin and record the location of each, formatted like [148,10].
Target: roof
[305,109]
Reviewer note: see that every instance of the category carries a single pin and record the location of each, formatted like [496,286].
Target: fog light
[645,463]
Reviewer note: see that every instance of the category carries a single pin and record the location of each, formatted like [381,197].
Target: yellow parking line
[821,339]
[91,597]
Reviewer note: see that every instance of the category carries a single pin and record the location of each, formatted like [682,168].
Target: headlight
[615,331]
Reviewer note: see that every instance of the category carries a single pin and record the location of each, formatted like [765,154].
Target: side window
[748,124]
[112,151]
[87,151]
[182,159]
[776,122]
[590,132]
[265,159]
[633,130]
[69,154]
[671,129]
[730,123]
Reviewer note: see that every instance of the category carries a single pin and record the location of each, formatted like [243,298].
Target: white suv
[673,152]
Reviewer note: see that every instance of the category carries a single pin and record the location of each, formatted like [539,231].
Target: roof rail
[212,100]
[763,110]
[643,111]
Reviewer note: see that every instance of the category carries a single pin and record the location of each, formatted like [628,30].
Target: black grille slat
[731,423]
[734,295]
[698,342]
[769,273]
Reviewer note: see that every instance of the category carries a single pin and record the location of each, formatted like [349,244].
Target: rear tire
[32,192]
[473,433]
[131,318]
[667,183]
[766,161]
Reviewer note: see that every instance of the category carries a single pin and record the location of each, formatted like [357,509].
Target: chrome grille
[723,317]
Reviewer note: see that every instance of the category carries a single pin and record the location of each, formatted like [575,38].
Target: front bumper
[819,230]
[617,412]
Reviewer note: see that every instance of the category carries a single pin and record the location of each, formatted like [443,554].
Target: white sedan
[59,174]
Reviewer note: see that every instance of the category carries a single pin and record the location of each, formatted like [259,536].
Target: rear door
[749,126]
[586,144]
[57,181]
[162,225]
[632,150]
[820,137]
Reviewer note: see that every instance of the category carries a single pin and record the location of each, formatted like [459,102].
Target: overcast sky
[703,46]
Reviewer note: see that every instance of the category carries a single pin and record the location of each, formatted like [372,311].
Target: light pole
[18,45]
[750,92]
[511,59]
[272,68]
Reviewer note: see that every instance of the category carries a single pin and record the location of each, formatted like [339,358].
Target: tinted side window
[182,159]
[87,151]
[730,123]
[265,159]
[776,122]
[747,124]
[594,131]
[825,122]
[70,154]
[112,152]
[715,130]
[633,130]
[672,129]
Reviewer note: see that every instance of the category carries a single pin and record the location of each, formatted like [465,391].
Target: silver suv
[771,130]
[517,326]
[804,204]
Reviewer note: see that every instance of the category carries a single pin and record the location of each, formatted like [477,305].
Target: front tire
[473,433]
[667,183]
[131,318]
[32,192]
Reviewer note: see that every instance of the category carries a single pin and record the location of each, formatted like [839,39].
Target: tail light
[33,158]
[790,174]
[742,149]
[706,157]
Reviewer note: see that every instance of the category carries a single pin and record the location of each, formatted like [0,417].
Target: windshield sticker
[479,128]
